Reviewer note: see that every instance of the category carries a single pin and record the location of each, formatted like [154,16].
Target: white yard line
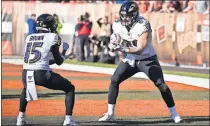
[184,66]
[199,82]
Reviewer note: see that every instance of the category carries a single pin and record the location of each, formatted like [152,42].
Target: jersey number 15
[32,48]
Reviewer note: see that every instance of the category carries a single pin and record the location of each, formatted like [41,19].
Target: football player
[40,48]
[134,32]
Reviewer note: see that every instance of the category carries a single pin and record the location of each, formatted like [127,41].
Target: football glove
[116,47]
[113,38]
[113,46]
[67,56]
[65,48]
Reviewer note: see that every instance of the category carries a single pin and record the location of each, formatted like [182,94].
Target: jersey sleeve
[56,40]
[144,26]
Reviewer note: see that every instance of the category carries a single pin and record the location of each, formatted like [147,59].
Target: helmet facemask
[128,19]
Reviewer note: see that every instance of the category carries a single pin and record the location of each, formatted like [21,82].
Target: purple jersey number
[31,48]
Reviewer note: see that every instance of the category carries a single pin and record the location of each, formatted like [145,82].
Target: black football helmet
[129,13]
[47,23]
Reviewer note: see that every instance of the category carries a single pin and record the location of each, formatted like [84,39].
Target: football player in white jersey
[40,48]
[133,36]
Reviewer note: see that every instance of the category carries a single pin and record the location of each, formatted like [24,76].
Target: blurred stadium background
[180,37]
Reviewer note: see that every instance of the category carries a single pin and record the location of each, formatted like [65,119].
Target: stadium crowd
[97,44]
[152,6]
[92,46]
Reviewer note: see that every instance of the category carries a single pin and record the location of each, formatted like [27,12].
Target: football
[115,38]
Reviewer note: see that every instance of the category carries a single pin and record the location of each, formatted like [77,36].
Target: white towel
[130,60]
[31,93]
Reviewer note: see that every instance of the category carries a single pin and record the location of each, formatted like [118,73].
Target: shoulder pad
[57,39]
[142,20]
[145,23]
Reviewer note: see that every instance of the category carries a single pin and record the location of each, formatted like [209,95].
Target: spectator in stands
[165,7]
[32,24]
[202,7]
[143,6]
[59,25]
[75,37]
[175,5]
[105,29]
[116,16]
[187,6]
[104,35]
[83,29]
[170,6]
[155,6]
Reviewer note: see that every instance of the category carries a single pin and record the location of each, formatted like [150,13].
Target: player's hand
[113,46]
[114,38]
[117,47]
[67,56]
[65,48]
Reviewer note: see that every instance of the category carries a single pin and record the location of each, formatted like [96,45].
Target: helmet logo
[131,8]
[49,18]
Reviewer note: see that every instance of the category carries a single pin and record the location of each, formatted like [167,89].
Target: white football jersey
[37,50]
[130,38]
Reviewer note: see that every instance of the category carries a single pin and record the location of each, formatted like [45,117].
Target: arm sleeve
[56,40]
[51,62]
[58,58]
[145,27]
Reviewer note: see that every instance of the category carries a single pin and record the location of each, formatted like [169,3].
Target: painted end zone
[199,82]
[139,101]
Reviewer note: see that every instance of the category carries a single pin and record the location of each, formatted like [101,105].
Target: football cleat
[69,122]
[106,117]
[176,118]
[21,121]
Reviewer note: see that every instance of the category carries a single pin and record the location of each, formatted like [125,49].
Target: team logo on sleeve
[57,40]
[147,26]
